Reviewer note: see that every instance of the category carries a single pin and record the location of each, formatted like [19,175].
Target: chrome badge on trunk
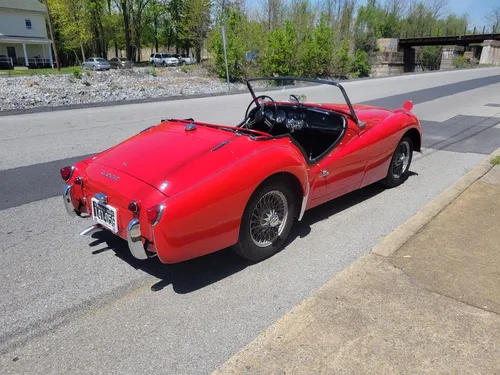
[109,175]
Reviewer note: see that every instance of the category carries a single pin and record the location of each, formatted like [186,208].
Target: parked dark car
[6,62]
[121,63]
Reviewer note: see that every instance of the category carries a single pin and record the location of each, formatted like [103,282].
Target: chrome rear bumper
[68,203]
[134,238]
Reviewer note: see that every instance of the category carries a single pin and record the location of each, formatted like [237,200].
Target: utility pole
[52,36]
[225,55]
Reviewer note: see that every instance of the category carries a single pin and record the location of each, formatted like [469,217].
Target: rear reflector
[66,172]
[155,213]
[133,206]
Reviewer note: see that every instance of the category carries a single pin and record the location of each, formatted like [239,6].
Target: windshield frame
[360,124]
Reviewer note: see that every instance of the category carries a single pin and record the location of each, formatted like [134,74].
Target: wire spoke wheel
[268,218]
[401,159]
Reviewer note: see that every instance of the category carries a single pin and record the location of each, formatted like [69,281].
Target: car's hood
[171,159]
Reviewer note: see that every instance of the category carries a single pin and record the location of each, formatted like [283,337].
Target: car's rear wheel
[399,168]
[266,221]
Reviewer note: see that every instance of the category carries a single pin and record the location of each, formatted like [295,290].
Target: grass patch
[495,160]
[44,71]
[188,68]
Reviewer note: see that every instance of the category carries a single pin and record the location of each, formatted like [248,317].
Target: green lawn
[44,71]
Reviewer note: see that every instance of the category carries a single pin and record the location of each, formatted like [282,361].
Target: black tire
[247,246]
[398,172]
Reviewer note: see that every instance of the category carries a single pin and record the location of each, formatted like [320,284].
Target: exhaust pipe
[91,229]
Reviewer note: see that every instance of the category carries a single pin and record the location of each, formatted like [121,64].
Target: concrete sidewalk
[433,306]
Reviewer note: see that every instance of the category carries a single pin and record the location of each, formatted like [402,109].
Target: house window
[28,24]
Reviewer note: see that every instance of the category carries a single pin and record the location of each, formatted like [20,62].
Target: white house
[23,33]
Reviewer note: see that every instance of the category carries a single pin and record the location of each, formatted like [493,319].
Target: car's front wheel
[399,168]
[266,221]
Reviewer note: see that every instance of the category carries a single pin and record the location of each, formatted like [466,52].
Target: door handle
[324,173]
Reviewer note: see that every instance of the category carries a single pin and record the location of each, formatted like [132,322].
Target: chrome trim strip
[134,241]
[160,214]
[304,201]
[92,229]
[68,203]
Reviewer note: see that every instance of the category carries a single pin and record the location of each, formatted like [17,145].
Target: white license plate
[104,215]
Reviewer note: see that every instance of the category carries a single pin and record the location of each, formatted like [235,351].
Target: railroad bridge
[403,54]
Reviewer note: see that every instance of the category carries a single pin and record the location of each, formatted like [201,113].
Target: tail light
[67,172]
[155,213]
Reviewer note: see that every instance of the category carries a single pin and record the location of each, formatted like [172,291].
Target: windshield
[100,59]
[302,91]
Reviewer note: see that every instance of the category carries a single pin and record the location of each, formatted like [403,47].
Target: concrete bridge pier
[490,54]
[449,54]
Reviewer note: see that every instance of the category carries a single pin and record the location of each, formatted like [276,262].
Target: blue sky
[476,9]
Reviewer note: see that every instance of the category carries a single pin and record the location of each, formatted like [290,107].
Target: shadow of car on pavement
[191,275]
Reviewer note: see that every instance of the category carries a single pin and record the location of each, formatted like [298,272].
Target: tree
[71,22]
[493,19]
[280,55]
[233,21]
[196,24]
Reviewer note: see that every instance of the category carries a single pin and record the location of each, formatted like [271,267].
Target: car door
[343,168]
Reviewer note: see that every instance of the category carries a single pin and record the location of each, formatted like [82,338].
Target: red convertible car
[185,188]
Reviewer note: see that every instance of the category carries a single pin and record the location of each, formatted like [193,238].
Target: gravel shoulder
[113,86]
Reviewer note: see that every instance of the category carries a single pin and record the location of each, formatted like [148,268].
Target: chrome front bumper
[134,241]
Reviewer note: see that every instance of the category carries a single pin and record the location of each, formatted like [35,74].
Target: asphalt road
[84,305]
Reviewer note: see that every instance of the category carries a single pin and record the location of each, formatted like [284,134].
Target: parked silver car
[96,63]
[120,63]
[185,59]
[164,59]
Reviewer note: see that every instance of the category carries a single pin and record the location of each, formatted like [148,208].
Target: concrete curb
[402,234]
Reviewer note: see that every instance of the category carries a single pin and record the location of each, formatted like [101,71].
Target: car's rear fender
[207,217]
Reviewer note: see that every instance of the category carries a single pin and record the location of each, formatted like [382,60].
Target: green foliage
[361,64]
[235,49]
[495,160]
[431,57]
[342,60]
[460,62]
[153,71]
[280,53]
[77,74]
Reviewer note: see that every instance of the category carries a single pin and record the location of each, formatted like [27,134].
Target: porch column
[50,56]
[25,55]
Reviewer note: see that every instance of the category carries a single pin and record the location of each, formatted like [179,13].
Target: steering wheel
[259,114]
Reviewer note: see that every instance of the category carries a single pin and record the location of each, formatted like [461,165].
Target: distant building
[23,33]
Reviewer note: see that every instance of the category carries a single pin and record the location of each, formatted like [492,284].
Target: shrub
[235,46]
[153,71]
[460,62]
[361,64]
[77,74]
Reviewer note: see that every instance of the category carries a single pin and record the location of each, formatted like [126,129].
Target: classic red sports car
[185,188]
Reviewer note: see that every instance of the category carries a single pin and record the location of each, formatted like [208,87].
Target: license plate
[104,215]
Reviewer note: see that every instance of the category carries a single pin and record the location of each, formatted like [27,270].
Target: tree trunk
[83,52]
[128,45]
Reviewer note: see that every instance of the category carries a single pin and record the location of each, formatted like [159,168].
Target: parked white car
[164,59]
[185,59]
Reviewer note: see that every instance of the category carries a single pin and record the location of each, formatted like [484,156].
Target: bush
[280,54]
[235,50]
[77,74]
[153,71]
[460,62]
[361,64]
